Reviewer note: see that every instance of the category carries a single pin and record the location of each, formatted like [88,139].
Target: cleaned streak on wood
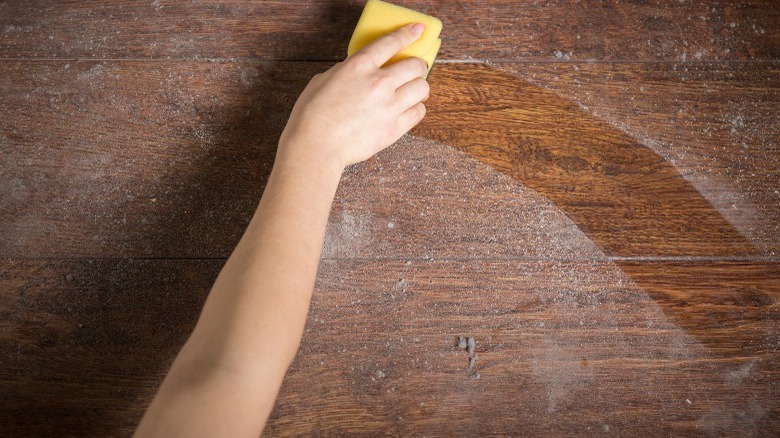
[625,197]
[715,301]
[140,159]
[167,158]
[717,123]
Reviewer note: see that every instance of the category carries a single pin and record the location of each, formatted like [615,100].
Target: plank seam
[693,259]
[438,61]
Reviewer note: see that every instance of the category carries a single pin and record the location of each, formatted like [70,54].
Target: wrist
[306,158]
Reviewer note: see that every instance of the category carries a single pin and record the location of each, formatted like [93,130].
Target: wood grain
[562,347]
[606,231]
[690,114]
[106,153]
[85,344]
[146,159]
[716,302]
[624,196]
[320,30]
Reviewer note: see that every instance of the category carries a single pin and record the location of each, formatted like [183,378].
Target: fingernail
[418,28]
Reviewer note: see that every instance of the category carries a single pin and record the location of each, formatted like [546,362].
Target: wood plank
[690,115]
[561,347]
[564,348]
[713,302]
[147,159]
[621,193]
[320,30]
[115,160]
[84,344]
[106,153]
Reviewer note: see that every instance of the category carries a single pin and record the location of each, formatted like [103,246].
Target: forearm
[253,319]
[225,379]
[272,270]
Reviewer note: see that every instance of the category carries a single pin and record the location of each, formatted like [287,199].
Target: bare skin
[226,378]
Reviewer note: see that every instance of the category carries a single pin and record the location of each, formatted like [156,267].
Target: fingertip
[410,118]
[424,67]
[423,110]
[427,88]
[419,112]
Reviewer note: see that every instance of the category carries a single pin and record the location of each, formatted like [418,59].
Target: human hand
[357,108]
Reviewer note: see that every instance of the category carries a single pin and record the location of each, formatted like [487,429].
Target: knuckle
[361,61]
[399,38]
[381,82]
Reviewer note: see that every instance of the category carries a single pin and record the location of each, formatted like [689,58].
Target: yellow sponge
[380,18]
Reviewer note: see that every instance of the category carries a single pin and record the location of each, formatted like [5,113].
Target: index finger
[384,48]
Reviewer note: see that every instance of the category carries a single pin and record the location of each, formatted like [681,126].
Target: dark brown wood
[110,152]
[561,347]
[625,197]
[85,344]
[719,303]
[691,114]
[606,232]
[320,30]
[147,159]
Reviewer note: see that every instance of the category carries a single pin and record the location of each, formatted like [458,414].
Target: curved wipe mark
[624,196]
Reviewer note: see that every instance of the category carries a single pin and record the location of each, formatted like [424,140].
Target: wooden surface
[608,232]
[562,346]
[507,30]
